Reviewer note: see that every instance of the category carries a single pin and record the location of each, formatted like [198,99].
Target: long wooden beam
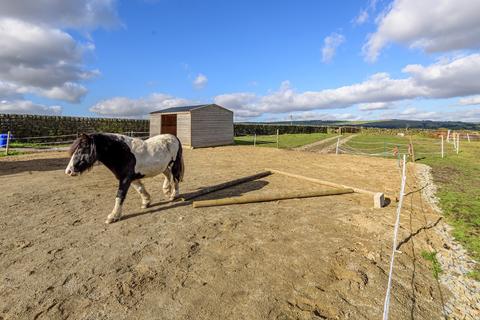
[268,197]
[224,185]
[378,197]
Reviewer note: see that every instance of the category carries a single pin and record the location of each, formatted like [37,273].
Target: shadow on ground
[234,191]
[13,167]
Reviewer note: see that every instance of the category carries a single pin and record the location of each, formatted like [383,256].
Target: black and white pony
[130,159]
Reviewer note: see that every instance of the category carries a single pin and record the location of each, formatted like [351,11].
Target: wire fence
[417,147]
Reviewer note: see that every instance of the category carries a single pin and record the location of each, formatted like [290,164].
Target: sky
[266,60]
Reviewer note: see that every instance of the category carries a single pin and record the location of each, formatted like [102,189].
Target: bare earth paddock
[318,258]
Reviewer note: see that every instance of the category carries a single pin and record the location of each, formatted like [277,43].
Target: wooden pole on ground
[338,144]
[8,143]
[378,197]
[224,185]
[268,197]
[254,139]
[468,137]
[442,146]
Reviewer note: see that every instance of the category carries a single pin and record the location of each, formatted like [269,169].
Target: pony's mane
[82,139]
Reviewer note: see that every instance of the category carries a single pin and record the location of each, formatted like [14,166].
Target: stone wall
[35,126]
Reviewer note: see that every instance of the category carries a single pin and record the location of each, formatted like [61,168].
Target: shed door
[169,124]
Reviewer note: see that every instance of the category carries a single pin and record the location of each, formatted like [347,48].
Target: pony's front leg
[138,185]
[121,193]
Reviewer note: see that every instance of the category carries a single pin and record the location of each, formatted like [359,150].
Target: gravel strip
[455,261]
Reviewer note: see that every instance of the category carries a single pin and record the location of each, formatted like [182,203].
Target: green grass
[458,181]
[10,153]
[285,140]
[432,257]
[14,144]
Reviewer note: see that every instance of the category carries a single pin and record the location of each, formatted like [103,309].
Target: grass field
[285,140]
[458,179]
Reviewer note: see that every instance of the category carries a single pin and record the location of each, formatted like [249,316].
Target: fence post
[338,144]
[254,139]
[413,150]
[448,135]
[458,143]
[468,137]
[277,138]
[8,143]
[442,146]
[384,149]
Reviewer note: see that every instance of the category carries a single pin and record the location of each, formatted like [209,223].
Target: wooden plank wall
[211,126]
[184,121]
[155,124]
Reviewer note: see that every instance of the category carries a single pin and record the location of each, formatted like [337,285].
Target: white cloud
[42,60]
[375,106]
[413,113]
[330,45]
[39,57]
[126,107]
[444,79]
[28,107]
[200,81]
[361,18]
[78,14]
[473,100]
[432,25]
[237,101]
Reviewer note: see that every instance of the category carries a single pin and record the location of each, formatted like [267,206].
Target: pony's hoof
[112,220]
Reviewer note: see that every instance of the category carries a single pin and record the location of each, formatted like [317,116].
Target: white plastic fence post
[448,136]
[8,143]
[338,144]
[277,138]
[442,146]
[468,137]
[254,139]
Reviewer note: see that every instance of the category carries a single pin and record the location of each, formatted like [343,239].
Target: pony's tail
[178,167]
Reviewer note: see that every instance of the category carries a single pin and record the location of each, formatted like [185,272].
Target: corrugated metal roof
[181,109]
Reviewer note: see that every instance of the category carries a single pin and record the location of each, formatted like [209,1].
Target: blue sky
[266,60]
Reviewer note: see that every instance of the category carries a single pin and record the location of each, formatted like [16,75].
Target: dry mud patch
[319,258]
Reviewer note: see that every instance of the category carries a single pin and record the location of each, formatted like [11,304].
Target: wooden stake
[277,138]
[413,150]
[254,139]
[442,146]
[378,197]
[224,185]
[268,197]
[8,143]
[468,137]
[338,144]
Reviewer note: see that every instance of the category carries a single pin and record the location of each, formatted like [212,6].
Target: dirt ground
[318,258]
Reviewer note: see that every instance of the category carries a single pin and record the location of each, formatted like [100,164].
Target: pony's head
[83,155]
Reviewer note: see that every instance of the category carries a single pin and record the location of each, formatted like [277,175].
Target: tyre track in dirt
[316,144]
[326,146]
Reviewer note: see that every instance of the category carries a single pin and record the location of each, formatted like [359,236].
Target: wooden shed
[205,125]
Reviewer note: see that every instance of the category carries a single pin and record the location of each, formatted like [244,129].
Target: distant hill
[388,124]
